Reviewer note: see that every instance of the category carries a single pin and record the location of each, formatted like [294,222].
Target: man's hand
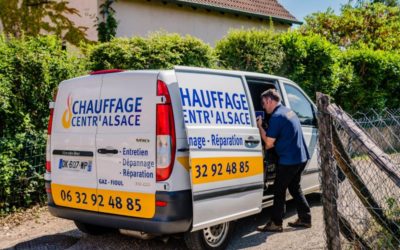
[269,142]
[259,122]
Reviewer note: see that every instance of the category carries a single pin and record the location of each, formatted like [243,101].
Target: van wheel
[216,237]
[92,229]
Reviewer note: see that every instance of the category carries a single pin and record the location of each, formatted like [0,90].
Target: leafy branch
[107,28]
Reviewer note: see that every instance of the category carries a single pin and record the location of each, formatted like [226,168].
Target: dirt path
[37,229]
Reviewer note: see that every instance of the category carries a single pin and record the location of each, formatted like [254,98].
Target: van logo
[105,112]
[67,116]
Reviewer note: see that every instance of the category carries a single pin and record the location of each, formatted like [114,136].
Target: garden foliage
[357,78]
[359,70]
[30,70]
[250,50]
[373,24]
[158,51]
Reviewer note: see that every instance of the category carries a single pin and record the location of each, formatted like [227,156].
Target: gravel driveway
[40,230]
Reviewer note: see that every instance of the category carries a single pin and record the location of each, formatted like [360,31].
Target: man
[285,134]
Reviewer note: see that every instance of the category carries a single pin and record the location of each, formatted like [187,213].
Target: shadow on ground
[74,239]
[245,236]
[56,241]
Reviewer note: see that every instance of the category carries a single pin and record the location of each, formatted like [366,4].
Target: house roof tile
[262,8]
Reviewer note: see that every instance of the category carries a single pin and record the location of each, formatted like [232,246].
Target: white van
[161,152]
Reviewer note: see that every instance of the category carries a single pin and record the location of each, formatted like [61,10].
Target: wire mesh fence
[22,165]
[384,129]
[364,195]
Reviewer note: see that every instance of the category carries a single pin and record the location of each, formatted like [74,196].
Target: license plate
[104,201]
[75,165]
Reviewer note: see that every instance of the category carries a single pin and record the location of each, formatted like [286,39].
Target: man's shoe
[270,227]
[299,223]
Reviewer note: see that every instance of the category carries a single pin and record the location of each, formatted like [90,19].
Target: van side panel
[226,166]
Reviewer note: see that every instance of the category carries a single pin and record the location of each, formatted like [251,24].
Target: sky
[302,8]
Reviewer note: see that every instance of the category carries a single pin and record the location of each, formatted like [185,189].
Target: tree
[33,17]
[373,24]
[391,3]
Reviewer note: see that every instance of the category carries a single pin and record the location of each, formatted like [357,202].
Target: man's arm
[269,142]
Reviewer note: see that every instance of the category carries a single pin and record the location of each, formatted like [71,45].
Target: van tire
[92,229]
[218,237]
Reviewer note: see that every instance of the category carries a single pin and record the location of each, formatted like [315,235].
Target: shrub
[158,51]
[119,53]
[312,62]
[30,70]
[374,81]
[250,50]
[22,161]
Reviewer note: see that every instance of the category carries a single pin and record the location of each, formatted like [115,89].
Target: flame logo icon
[67,116]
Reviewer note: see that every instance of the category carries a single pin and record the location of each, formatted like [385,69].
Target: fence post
[329,180]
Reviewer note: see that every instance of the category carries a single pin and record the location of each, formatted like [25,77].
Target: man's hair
[272,94]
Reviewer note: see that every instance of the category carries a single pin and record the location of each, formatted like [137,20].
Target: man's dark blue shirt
[285,127]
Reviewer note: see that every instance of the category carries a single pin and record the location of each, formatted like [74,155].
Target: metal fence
[22,164]
[360,163]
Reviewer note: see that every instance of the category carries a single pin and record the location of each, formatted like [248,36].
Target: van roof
[239,72]
[187,68]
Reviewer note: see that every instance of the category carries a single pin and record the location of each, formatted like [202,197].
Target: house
[209,20]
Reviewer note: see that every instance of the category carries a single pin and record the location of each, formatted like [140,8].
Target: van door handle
[107,151]
[252,141]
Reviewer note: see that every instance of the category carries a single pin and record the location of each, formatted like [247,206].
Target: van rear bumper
[176,217]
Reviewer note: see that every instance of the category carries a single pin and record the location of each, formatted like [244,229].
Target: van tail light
[165,132]
[48,149]
[50,125]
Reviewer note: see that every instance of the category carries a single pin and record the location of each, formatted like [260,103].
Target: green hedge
[312,62]
[159,51]
[358,79]
[250,50]
[30,70]
[373,82]
[22,160]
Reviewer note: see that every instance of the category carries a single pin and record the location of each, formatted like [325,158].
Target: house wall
[88,12]
[87,17]
[141,17]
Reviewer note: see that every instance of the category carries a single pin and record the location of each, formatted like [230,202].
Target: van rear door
[103,144]
[125,144]
[73,144]
[224,146]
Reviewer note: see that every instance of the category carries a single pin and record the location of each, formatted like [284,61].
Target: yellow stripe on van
[184,161]
[206,170]
[105,201]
